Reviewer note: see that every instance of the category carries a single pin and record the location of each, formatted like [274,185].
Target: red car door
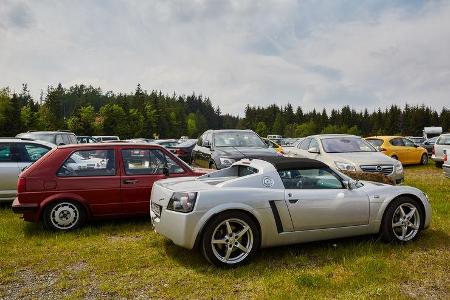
[92,175]
[141,167]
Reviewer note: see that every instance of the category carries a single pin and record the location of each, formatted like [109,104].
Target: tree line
[283,120]
[86,110]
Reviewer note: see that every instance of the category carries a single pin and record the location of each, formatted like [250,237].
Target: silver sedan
[233,212]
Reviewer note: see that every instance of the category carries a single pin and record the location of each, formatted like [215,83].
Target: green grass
[126,259]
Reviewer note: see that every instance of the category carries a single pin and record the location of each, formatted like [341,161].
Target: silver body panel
[9,171]
[317,215]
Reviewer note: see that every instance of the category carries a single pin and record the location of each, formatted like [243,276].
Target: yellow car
[400,148]
[274,145]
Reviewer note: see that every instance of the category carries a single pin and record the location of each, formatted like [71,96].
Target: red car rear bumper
[20,208]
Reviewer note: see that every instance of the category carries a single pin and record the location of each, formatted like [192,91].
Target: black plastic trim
[276,216]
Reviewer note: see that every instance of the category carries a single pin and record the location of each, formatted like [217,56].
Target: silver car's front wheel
[230,239]
[406,222]
[402,220]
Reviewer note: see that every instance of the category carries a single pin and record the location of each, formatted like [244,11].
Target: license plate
[156,208]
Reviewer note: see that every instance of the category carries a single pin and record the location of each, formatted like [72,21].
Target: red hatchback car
[74,183]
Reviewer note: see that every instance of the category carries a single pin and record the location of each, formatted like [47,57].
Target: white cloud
[236,52]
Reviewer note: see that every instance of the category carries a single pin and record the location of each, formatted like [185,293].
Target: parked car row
[257,198]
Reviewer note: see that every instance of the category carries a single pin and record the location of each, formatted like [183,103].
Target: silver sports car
[233,212]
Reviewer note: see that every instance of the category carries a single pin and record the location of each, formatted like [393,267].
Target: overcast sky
[309,53]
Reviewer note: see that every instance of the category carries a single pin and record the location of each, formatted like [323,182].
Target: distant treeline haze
[86,110]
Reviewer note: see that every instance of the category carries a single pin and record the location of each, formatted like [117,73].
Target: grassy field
[126,259]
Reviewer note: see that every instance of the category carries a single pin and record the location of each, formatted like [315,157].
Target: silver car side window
[315,178]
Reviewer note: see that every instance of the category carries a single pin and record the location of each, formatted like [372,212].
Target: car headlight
[398,167]
[182,202]
[225,161]
[343,166]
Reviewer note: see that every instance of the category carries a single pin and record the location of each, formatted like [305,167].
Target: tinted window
[73,139]
[305,144]
[323,178]
[66,139]
[238,139]
[375,142]
[314,144]
[59,140]
[397,142]
[408,143]
[207,139]
[148,162]
[188,143]
[5,153]
[33,152]
[200,140]
[245,170]
[89,163]
[443,140]
[346,144]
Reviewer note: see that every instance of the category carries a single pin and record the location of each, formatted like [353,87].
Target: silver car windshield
[238,139]
[346,144]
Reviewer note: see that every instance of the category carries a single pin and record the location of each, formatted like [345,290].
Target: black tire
[424,159]
[64,215]
[250,240]
[394,157]
[388,233]
[438,164]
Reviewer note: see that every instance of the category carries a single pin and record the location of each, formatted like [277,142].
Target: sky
[316,54]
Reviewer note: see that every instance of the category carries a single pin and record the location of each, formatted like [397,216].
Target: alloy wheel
[406,222]
[64,215]
[232,241]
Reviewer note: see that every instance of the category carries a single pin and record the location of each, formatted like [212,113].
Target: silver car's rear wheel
[406,222]
[230,239]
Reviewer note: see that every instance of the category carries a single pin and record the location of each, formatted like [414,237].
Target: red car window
[148,162]
[89,163]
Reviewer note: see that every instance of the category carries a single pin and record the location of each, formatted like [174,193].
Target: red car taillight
[21,185]
[432,151]
[445,156]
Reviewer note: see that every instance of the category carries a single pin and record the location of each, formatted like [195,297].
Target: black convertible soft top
[288,163]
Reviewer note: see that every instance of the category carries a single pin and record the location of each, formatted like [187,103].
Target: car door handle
[130,181]
[292,201]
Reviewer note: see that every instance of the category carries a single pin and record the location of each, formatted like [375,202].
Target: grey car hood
[364,158]
[244,152]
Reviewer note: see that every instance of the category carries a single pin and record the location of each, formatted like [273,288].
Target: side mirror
[313,150]
[347,184]
[207,144]
[166,171]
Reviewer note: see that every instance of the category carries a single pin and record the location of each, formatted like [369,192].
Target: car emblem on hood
[379,168]
[268,182]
